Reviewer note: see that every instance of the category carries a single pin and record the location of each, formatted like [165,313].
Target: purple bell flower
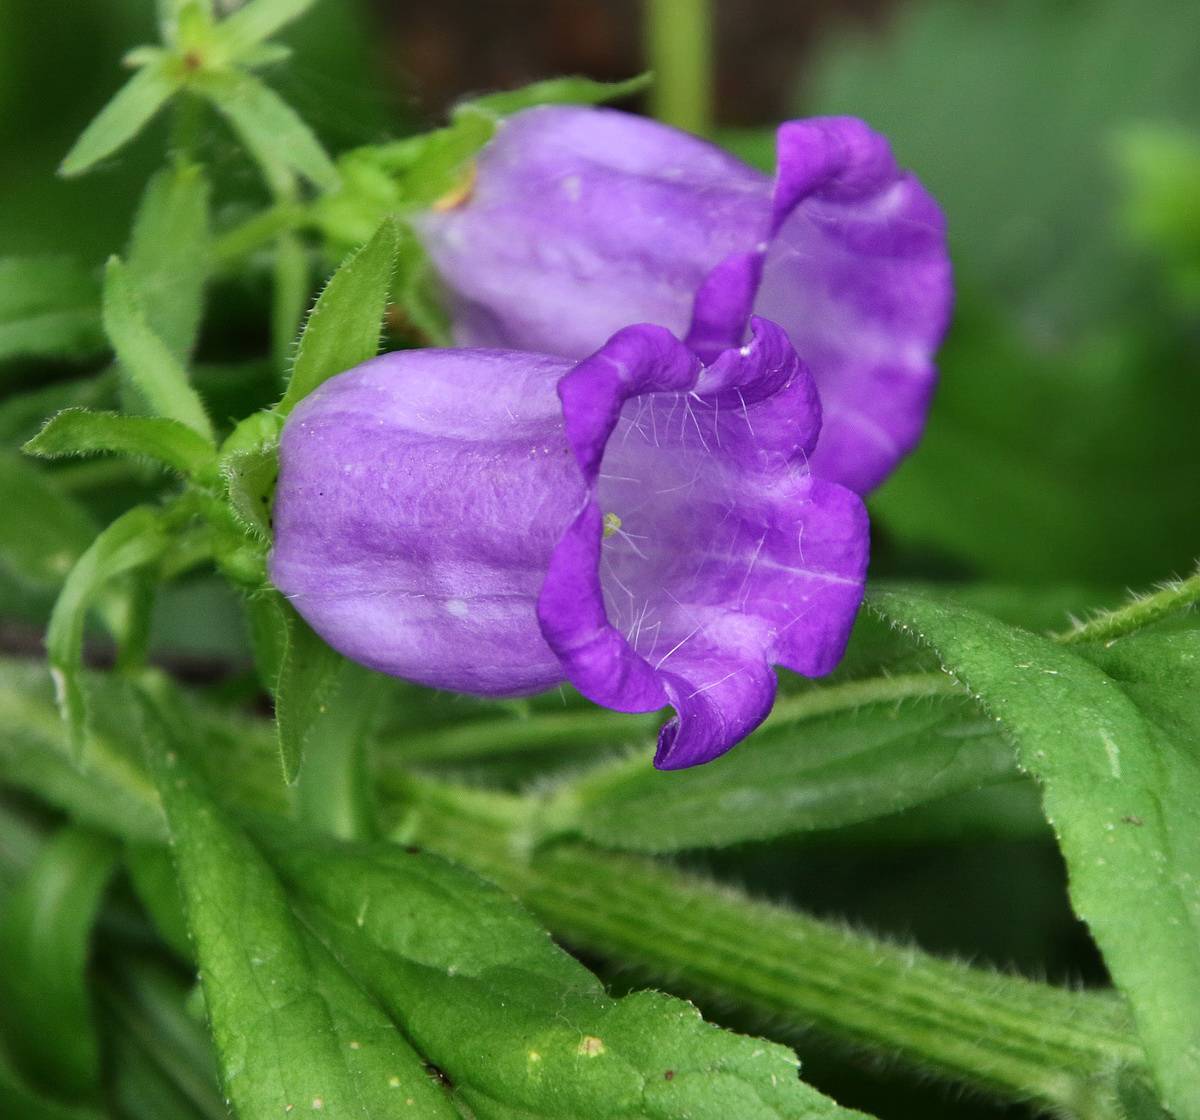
[640,524]
[582,220]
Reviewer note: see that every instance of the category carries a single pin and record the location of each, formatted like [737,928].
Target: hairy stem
[1014,1037]
[1141,611]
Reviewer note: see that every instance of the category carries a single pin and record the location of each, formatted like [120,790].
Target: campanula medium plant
[639,524]
[243,874]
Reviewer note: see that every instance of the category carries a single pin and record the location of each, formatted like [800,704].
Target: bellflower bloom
[639,523]
[582,220]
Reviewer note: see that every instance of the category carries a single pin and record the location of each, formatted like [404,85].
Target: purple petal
[726,554]
[583,221]
[858,275]
[419,500]
[718,701]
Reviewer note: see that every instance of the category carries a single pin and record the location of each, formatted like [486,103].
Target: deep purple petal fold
[706,552]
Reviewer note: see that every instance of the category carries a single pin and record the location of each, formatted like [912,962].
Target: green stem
[1142,611]
[333,788]
[255,232]
[679,47]
[1015,1037]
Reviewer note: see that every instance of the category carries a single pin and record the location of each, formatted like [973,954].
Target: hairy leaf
[155,373]
[168,255]
[546,1041]
[1110,734]
[825,772]
[343,328]
[76,431]
[293,1031]
[270,128]
[134,539]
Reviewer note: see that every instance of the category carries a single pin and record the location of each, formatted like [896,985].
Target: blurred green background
[1063,139]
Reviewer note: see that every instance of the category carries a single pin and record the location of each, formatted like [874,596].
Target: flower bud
[582,220]
[638,523]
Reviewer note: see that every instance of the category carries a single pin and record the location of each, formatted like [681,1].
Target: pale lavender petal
[583,221]
[419,500]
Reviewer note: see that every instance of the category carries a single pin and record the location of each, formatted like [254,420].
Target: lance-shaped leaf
[294,1033]
[1110,734]
[45,928]
[440,948]
[77,431]
[168,255]
[153,370]
[828,771]
[125,115]
[134,539]
[344,326]
[554,91]
[49,306]
[250,24]
[269,127]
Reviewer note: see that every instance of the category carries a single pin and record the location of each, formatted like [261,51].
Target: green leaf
[134,539]
[49,307]
[168,255]
[344,326]
[1111,736]
[825,772]
[154,371]
[106,790]
[258,20]
[17,1099]
[43,531]
[293,1031]
[76,431]
[124,116]
[546,1041]
[270,128]
[45,927]
[308,671]
[554,91]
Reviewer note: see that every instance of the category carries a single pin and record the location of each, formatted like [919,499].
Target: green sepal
[308,671]
[554,91]
[77,431]
[344,327]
